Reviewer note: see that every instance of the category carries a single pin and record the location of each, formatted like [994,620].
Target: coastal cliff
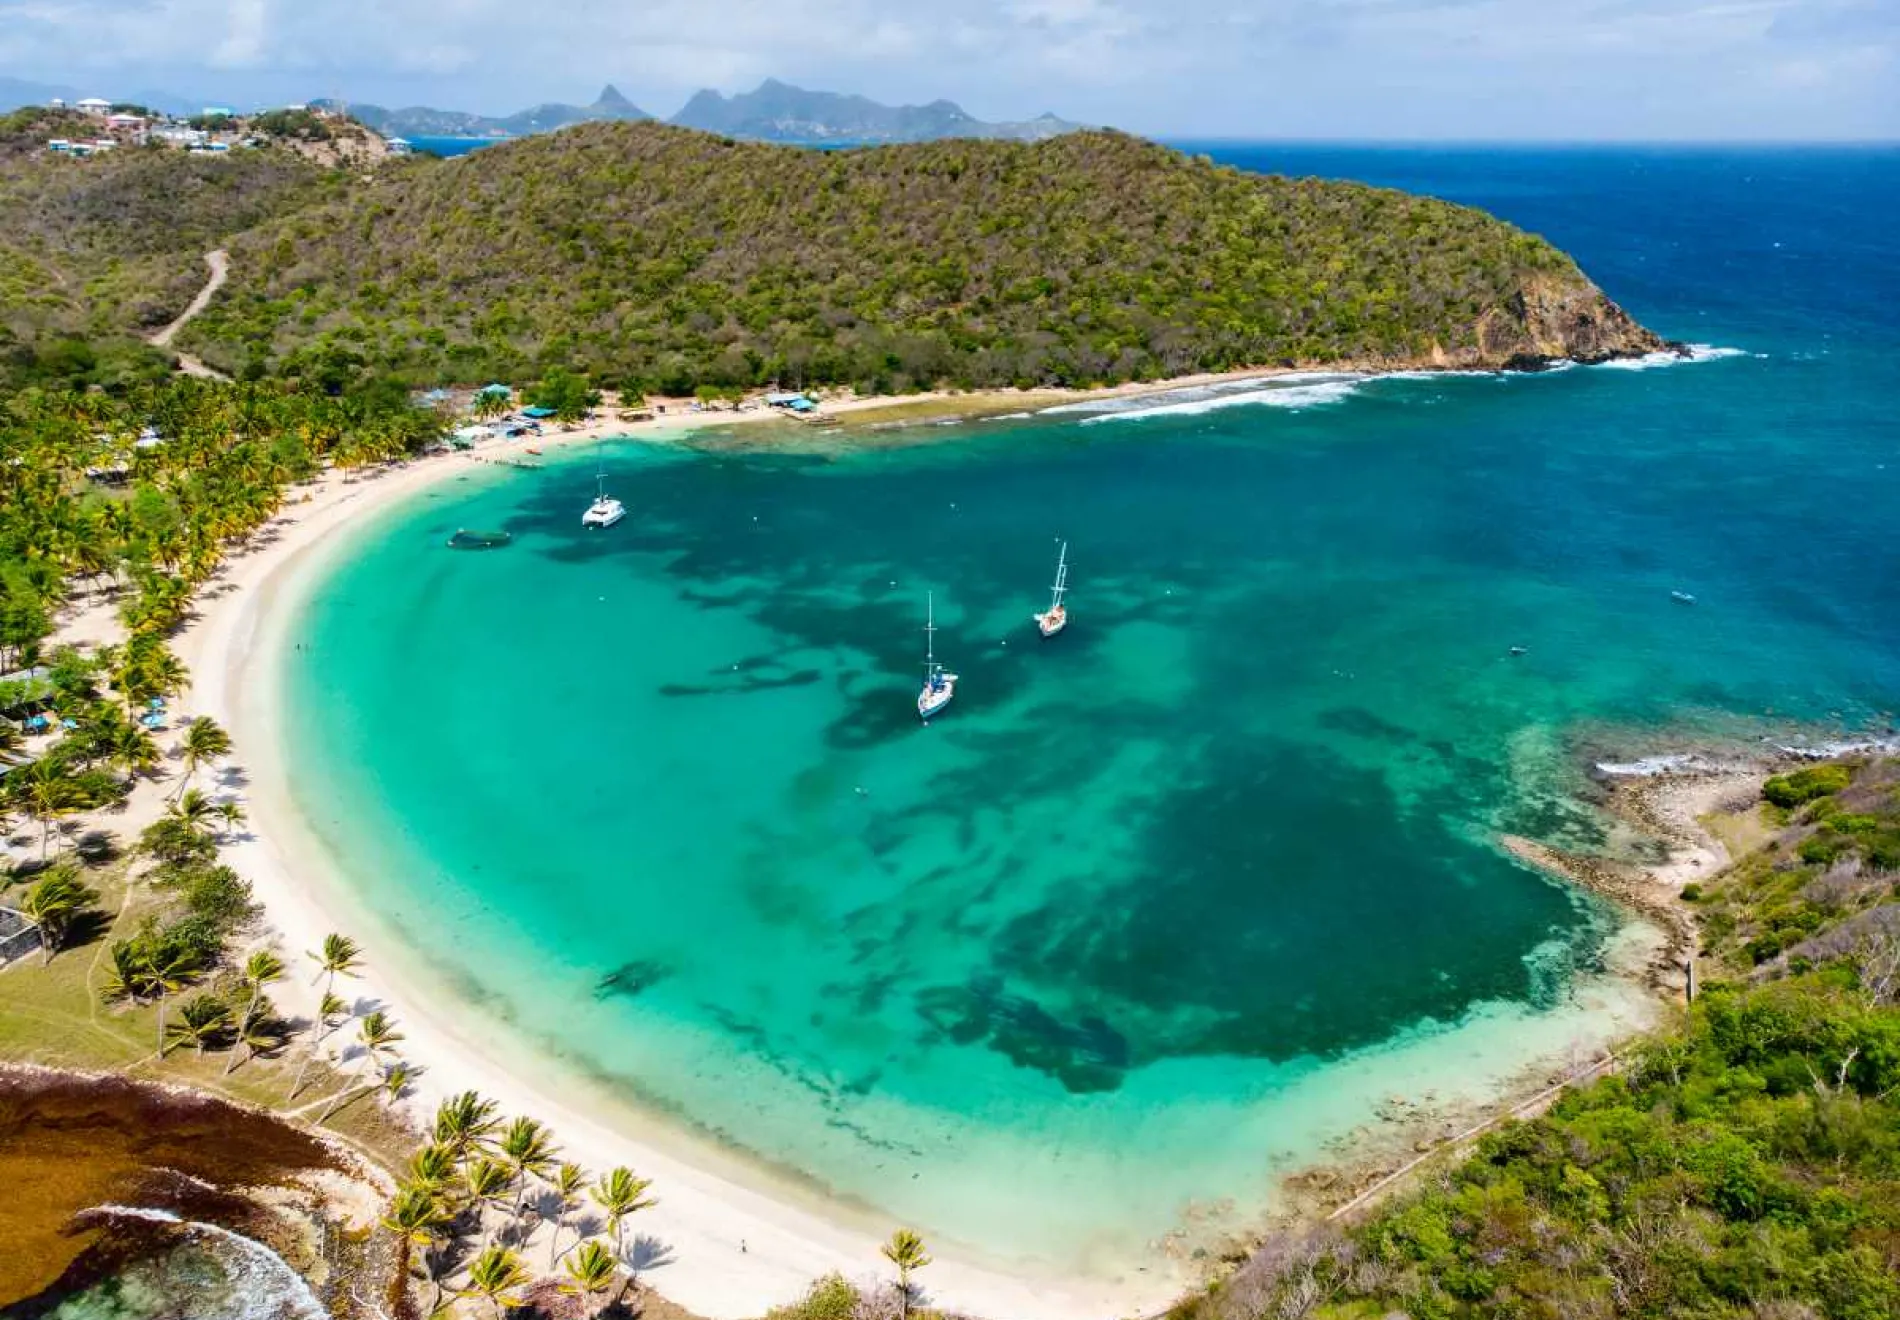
[1547,320]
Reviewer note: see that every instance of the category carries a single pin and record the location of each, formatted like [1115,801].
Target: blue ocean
[1181,901]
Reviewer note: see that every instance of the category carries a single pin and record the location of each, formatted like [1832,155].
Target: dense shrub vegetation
[94,250]
[1747,1164]
[665,260]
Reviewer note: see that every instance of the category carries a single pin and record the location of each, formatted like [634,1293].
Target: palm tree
[253,1030]
[163,972]
[53,904]
[591,1272]
[463,1122]
[378,1036]
[47,792]
[396,1079]
[432,1167]
[331,1014]
[621,1194]
[568,1185]
[906,1251]
[262,968]
[125,972]
[527,1148]
[258,1030]
[200,1021]
[417,1218]
[195,809]
[487,1183]
[230,814]
[204,742]
[339,956]
[496,1274]
[132,749]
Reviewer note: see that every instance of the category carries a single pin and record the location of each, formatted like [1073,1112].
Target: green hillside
[667,258]
[95,252]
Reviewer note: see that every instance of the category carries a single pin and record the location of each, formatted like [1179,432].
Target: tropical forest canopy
[667,260]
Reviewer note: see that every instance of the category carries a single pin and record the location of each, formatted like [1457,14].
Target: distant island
[423,122]
[773,112]
[779,112]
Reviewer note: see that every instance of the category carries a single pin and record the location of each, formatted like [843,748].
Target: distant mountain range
[775,112]
[421,121]
[779,112]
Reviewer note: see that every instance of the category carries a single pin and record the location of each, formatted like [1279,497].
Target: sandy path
[739,1243]
[219,263]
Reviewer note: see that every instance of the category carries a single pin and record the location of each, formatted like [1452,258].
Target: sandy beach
[734,1249]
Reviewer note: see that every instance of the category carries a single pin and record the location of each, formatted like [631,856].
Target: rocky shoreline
[108,1176]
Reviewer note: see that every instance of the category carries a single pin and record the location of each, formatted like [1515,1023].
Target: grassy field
[54,1014]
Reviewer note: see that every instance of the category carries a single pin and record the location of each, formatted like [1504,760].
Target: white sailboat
[939,686]
[1054,619]
[605,511]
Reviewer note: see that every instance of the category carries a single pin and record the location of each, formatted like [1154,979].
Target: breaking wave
[1670,358]
[249,1281]
[1309,389]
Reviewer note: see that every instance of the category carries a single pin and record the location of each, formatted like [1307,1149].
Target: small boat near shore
[1054,619]
[1682,598]
[939,687]
[605,511]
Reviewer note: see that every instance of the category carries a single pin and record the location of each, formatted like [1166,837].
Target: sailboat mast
[930,632]
[1062,576]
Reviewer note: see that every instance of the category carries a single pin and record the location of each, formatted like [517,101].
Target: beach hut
[495,391]
[781,399]
[537,413]
[801,404]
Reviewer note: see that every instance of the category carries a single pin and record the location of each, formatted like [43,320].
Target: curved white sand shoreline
[712,1200]
[736,1250]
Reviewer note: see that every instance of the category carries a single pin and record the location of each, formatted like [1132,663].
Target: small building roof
[495,388]
[537,412]
[781,399]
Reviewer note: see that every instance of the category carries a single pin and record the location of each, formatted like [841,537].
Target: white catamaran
[605,511]
[939,687]
[1056,617]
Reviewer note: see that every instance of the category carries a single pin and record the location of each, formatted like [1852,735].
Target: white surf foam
[1669,358]
[1273,396]
[1190,393]
[260,1284]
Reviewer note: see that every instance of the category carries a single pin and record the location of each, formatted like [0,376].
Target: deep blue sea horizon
[1177,901]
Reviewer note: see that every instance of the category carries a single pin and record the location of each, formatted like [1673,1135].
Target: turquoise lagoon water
[1162,907]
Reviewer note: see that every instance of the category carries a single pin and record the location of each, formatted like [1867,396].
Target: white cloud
[1325,67]
[244,35]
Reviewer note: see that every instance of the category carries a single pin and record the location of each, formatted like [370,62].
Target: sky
[1566,70]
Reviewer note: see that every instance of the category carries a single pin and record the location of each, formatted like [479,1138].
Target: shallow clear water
[1177,898]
